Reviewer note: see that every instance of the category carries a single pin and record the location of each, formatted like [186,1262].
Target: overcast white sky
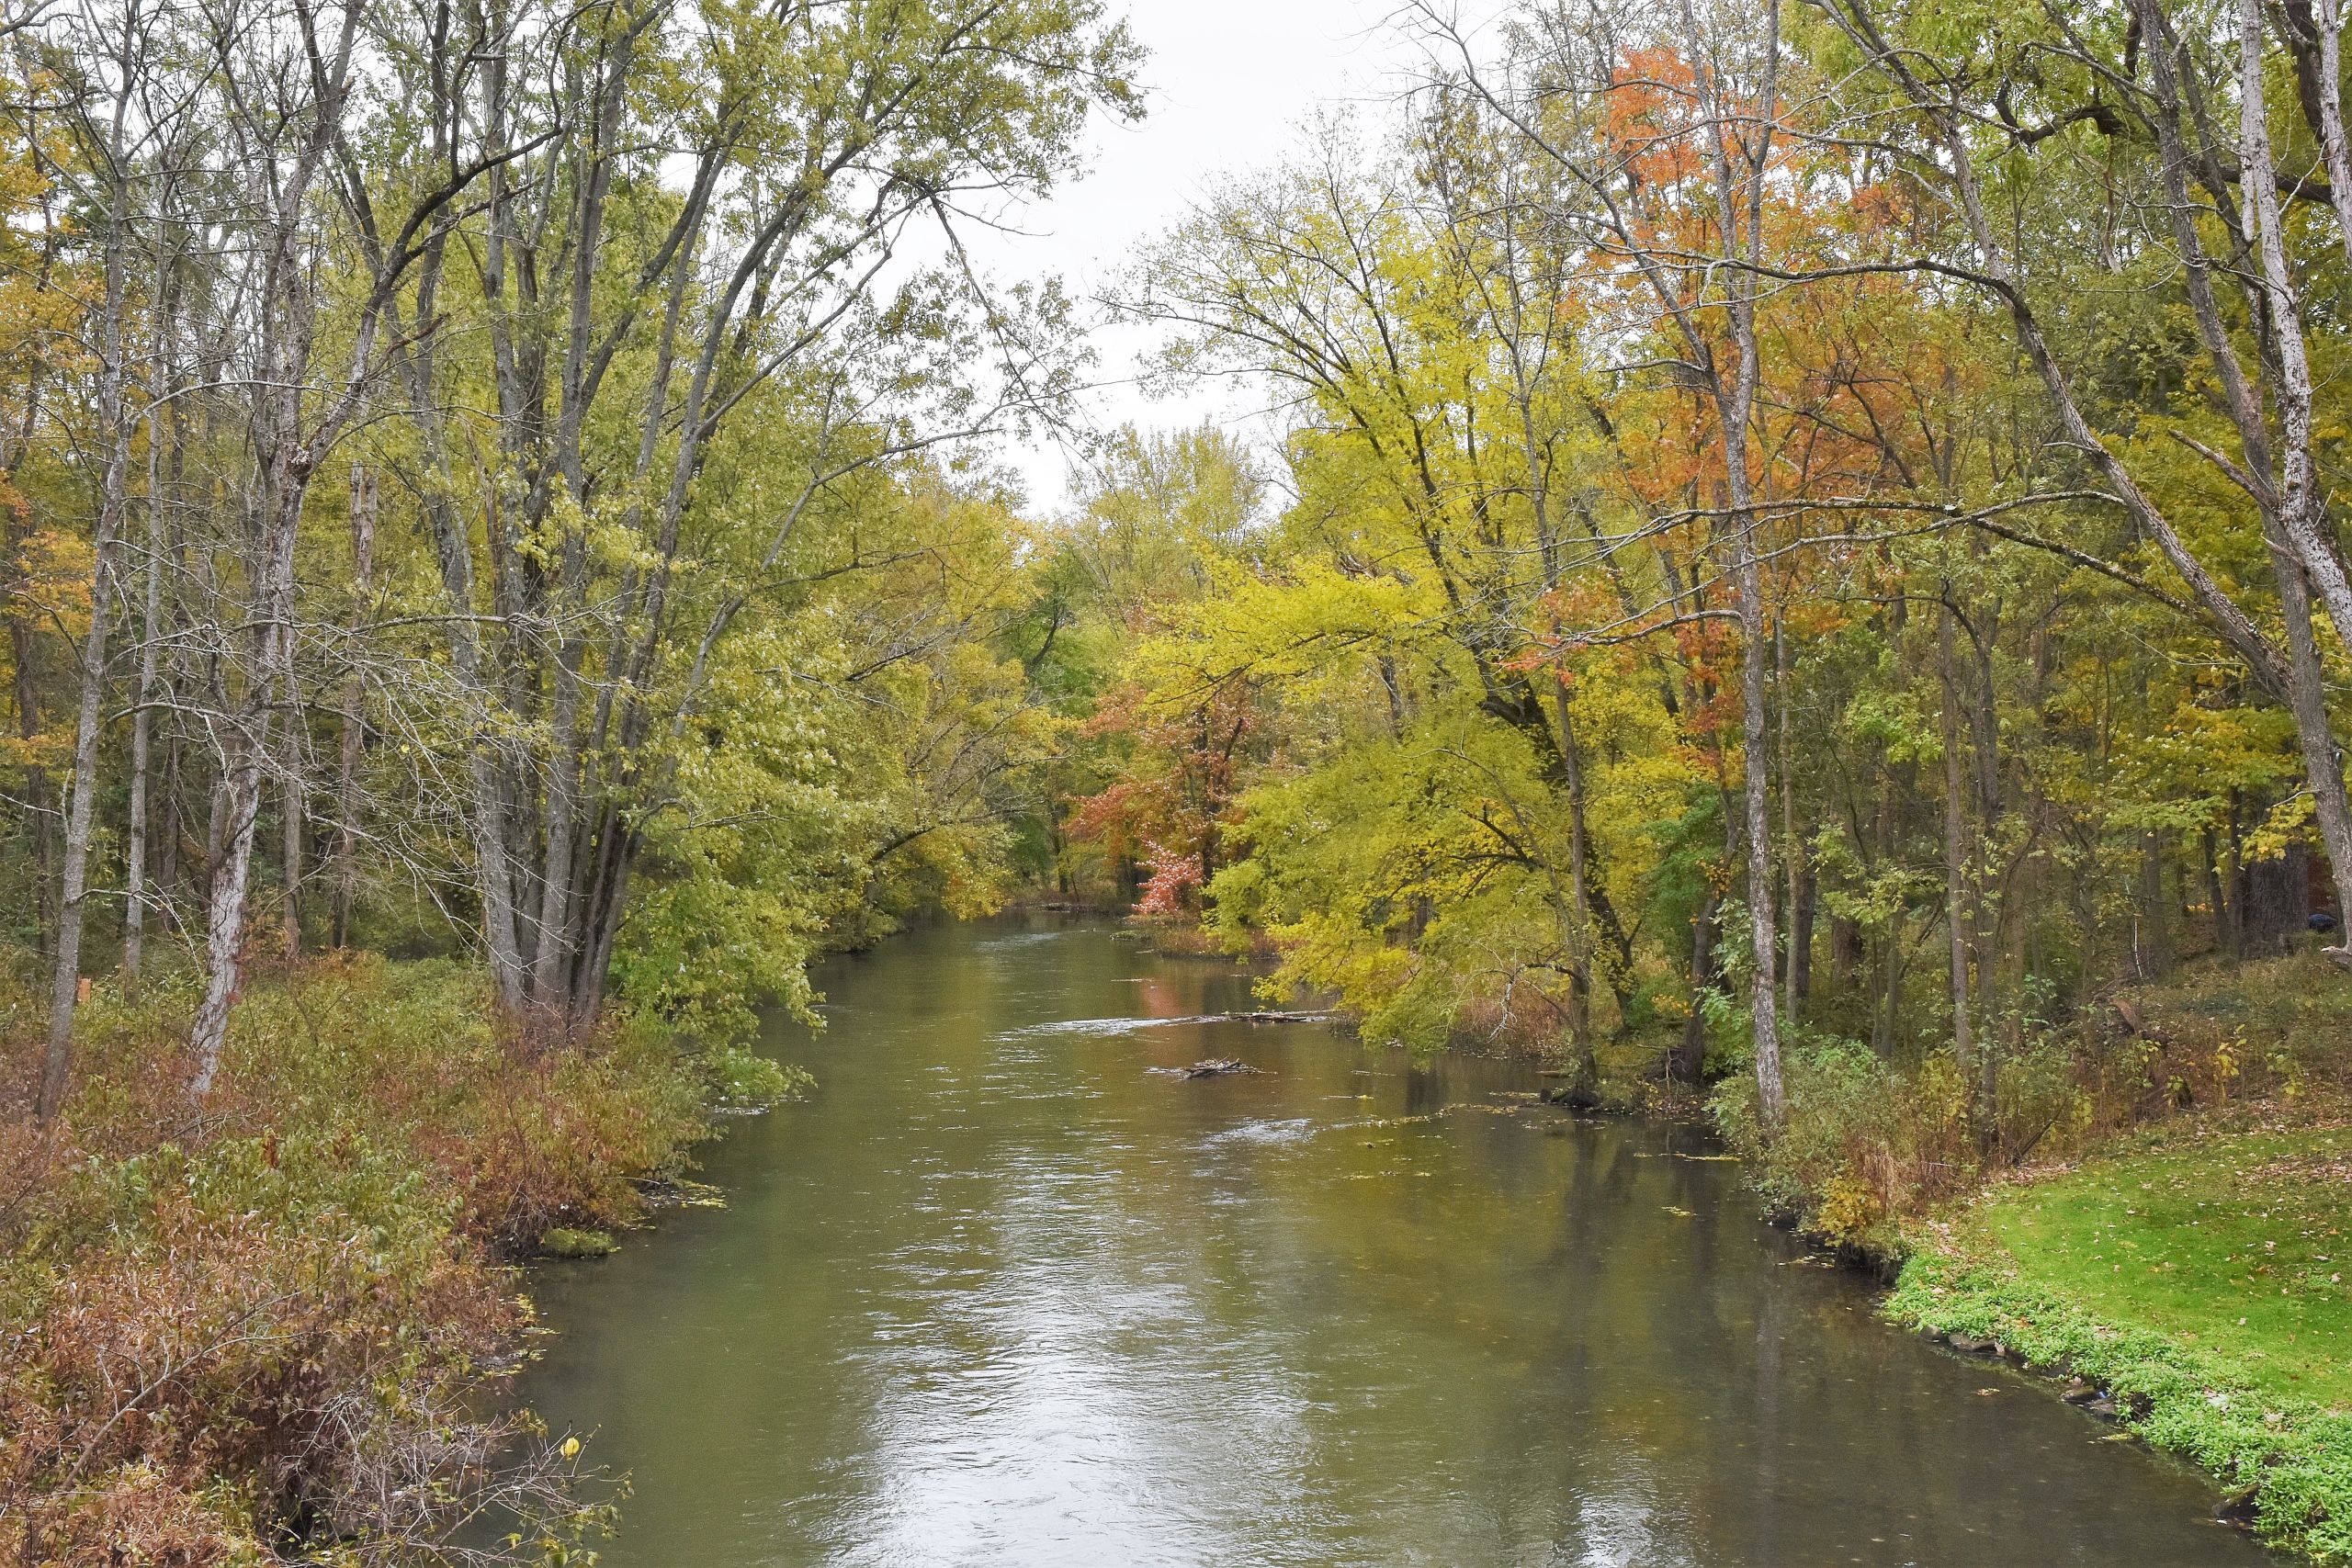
[1229,82]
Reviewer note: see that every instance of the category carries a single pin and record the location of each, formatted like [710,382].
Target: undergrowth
[267,1328]
[1873,1141]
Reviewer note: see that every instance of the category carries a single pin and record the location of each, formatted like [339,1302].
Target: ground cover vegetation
[2187,1285]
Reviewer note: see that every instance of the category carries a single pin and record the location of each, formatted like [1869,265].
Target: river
[1000,1295]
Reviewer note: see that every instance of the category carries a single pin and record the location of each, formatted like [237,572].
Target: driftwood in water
[1217,1069]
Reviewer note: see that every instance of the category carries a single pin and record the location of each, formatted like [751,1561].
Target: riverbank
[273,1326]
[2161,1223]
[2188,1285]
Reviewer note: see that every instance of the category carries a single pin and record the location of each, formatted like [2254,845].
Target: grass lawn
[2232,1241]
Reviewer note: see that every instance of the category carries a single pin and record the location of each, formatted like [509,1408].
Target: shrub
[745,1080]
[1871,1141]
[1863,1140]
[564,1241]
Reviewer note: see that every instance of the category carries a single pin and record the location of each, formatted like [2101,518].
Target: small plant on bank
[565,1241]
[1862,1143]
[742,1080]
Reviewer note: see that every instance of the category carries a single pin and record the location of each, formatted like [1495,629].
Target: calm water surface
[999,1295]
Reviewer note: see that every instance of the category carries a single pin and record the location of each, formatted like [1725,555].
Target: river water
[1000,1294]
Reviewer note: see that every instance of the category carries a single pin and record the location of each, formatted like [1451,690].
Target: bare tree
[118,116]
[288,81]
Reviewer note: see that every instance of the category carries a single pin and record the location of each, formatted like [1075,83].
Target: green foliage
[563,1241]
[1405,878]
[1873,1143]
[844,767]
[1863,1140]
[745,1080]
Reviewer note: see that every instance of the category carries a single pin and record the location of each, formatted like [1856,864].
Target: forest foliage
[1804,554]
[1799,552]
[501,565]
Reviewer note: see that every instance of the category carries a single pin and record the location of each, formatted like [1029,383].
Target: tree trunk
[1686,1064]
[2217,897]
[237,802]
[2303,500]
[1795,962]
[167,859]
[1763,994]
[106,589]
[238,796]
[453,550]
[1895,966]
[1801,918]
[1586,1067]
[151,633]
[2322,764]
[2152,952]
[1845,952]
[354,704]
[1956,899]
[38,803]
[294,823]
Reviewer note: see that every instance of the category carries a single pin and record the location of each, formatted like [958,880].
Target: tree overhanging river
[1002,1295]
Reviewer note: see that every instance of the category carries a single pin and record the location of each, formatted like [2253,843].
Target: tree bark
[39,803]
[1763,994]
[1586,1065]
[290,456]
[2216,897]
[293,823]
[2152,950]
[2302,495]
[106,589]
[354,704]
[142,723]
[2323,763]
[1742,171]
[1795,965]
[1686,1064]
[1956,897]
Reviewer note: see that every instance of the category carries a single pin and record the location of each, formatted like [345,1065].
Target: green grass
[2234,1243]
[2196,1274]
[568,1241]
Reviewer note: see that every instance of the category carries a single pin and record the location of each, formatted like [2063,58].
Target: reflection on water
[1001,1297]
[1097,1026]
